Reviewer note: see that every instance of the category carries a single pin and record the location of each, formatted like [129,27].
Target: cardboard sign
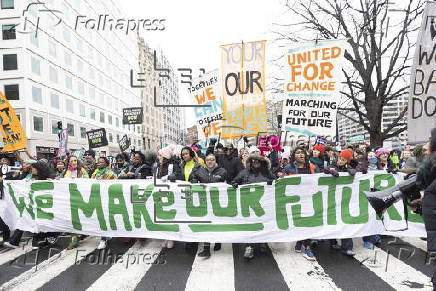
[313,73]
[124,143]
[97,138]
[422,100]
[14,137]
[243,89]
[132,115]
[63,143]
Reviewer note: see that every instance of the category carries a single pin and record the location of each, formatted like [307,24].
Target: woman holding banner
[301,164]
[211,174]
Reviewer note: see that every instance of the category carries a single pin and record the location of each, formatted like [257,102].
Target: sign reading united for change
[312,83]
[243,89]
[14,137]
[133,115]
[97,138]
[422,100]
[294,208]
[206,91]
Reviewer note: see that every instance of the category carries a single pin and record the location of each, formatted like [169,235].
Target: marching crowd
[219,164]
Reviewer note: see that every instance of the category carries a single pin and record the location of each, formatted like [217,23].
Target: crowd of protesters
[218,163]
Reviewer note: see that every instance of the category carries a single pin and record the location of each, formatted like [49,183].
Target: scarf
[103,174]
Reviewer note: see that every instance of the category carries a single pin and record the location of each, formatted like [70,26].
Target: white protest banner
[293,208]
[243,89]
[313,74]
[422,100]
[206,91]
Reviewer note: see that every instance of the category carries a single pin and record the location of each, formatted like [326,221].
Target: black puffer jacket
[179,173]
[163,168]
[231,163]
[251,175]
[204,175]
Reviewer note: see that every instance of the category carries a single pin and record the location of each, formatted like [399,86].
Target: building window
[53,74]
[10,62]
[80,66]
[38,124]
[109,118]
[36,66]
[102,117]
[54,101]
[80,88]
[91,93]
[8,31]
[111,137]
[37,95]
[52,48]
[12,92]
[82,110]
[54,126]
[70,128]
[7,4]
[68,59]
[69,82]
[34,39]
[92,114]
[69,106]
[83,132]
[117,121]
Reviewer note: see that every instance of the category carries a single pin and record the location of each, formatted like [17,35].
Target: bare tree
[380,52]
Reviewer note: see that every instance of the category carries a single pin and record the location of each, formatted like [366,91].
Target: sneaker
[217,247]
[335,247]
[368,245]
[377,239]
[170,244]
[205,254]
[249,253]
[9,245]
[298,246]
[51,240]
[35,248]
[349,253]
[102,245]
[308,255]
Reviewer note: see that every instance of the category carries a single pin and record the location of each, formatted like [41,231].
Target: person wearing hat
[89,162]
[342,165]
[384,163]
[167,163]
[316,156]
[230,161]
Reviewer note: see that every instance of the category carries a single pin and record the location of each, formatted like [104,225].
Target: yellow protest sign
[14,137]
[243,83]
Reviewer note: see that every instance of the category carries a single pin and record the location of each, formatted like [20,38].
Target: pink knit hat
[381,151]
[166,152]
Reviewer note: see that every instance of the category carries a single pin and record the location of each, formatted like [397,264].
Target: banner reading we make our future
[293,208]
[313,73]
[243,89]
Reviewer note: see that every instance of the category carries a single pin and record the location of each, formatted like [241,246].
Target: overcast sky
[196,28]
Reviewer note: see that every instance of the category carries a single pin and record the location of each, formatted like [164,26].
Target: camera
[406,190]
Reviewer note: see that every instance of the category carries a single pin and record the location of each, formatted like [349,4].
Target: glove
[269,182]
[392,171]
[364,171]
[352,172]
[332,172]
[235,185]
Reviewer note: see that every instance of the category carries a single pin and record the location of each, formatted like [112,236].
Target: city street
[396,265]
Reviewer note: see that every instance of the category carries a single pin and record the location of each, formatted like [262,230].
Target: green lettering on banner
[251,199]
[413,217]
[116,193]
[22,205]
[219,211]
[309,221]
[363,216]
[160,204]
[282,200]
[43,201]
[191,209]
[140,210]
[94,204]
[226,227]
[332,183]
[392,211]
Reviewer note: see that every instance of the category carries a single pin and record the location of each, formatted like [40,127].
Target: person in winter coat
[138,168]
[188,167]
[121,163]
[384,163]
[61,166]
[75,169]
[316,157]
[342,165]
[89,162]
[426,180]
[167,163]
[301,164]
[211,174]
[257,170]
[230,162]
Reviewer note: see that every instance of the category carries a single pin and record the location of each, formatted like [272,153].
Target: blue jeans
[346,243]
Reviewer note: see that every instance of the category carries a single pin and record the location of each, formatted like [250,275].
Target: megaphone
[382,200]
